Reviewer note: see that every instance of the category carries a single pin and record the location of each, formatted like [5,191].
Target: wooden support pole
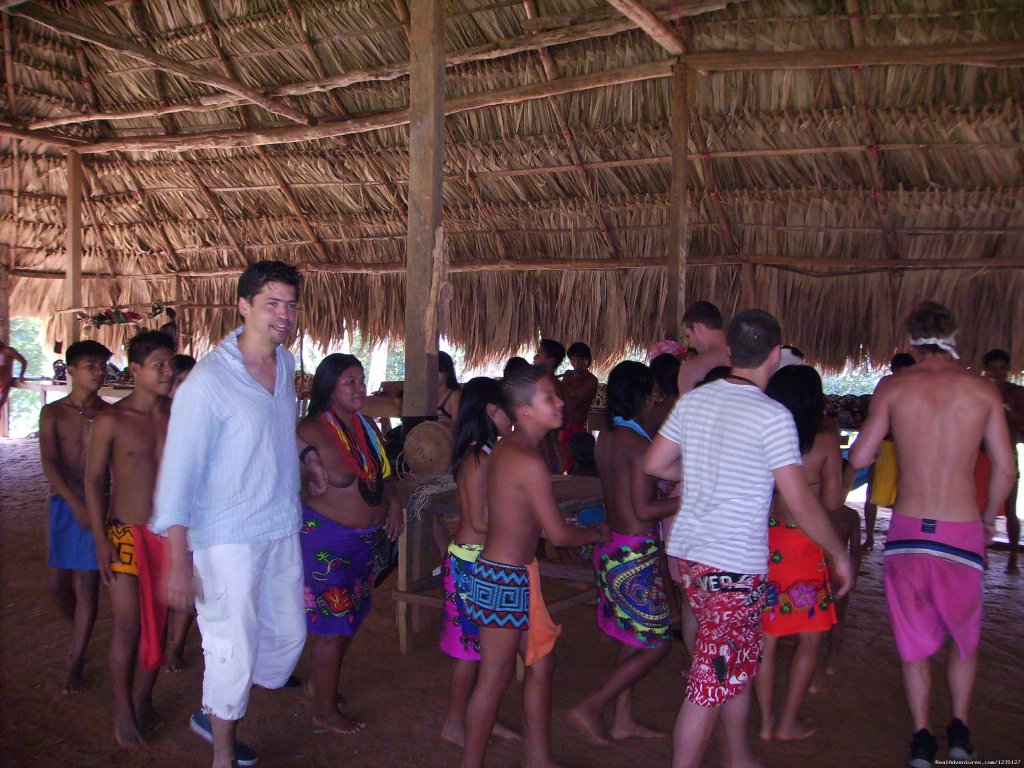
[73,248]
[5,330]
[679,203]
[426,154]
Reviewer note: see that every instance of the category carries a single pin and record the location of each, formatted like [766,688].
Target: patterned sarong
[338,568]
[509,596]
[632,607]
[727,652]
[799,595]
[123,539]
[460,635]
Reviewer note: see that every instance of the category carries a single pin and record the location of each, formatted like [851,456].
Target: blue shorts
[71,547]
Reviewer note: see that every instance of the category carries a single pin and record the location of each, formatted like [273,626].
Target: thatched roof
[916,156]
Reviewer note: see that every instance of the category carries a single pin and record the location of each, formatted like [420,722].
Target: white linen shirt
[230,472]
[731,436]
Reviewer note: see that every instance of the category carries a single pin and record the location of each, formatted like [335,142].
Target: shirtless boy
[126,443]
[629,565]
[703,324]
[997,368]
[550,354]
[8,357]
[579,387]
[934,553]
[63,440]
[505,598]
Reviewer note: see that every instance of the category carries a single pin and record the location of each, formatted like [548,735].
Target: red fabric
[727,652]
[151,560]
[563,443]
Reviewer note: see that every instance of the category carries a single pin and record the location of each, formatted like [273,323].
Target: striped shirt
[731,437]
[230,472]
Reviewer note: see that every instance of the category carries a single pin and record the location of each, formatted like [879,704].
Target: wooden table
[45,386]
[417,555]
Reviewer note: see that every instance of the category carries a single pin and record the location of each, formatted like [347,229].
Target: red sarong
[151,559]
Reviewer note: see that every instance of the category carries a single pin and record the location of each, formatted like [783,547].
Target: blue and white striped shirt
[230,473]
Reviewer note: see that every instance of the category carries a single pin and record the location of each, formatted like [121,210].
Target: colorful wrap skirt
[460,635]
[632,607]
[337,564]
[799,597]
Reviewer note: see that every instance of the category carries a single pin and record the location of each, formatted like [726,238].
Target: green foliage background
[24,406]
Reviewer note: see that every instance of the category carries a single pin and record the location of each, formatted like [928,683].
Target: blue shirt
[230,471]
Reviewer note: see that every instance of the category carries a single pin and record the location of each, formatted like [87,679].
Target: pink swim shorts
[934,584]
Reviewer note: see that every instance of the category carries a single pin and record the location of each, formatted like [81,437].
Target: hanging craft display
[118,316]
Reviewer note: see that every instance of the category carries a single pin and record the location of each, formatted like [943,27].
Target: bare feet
[126,733]
[338,698]
[631,729]
[504,732]
[74,683]
[798,732]
[767,732]
[590,725]
[454,733]
[335,722]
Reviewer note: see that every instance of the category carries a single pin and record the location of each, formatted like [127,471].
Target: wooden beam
[426,157]
[44,138]
[650,23]
[68,26]
[73,248]
[962,53]
[325,130]
[967,54]
[679,202]
[706,261]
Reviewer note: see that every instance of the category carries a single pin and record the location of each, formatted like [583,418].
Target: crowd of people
[723,487]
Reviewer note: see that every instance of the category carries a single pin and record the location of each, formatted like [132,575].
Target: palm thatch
[829,180]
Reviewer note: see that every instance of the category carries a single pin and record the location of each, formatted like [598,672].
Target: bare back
[517,473]
[616,453]
[471,494]
[939,414]
[823,467]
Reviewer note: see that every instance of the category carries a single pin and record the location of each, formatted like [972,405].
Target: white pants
[250,612]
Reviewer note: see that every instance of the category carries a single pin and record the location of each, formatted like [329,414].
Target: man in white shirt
[731,445]
[229,490]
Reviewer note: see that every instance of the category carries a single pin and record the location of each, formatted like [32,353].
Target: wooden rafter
[68,26]
[596,265]
[650,23]
[12,111]
[837,59]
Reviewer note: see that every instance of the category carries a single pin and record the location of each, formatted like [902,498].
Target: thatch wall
[781,171]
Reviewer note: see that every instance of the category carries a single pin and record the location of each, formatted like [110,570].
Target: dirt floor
[861,719]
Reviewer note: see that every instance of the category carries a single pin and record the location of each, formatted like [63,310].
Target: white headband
[946,345]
